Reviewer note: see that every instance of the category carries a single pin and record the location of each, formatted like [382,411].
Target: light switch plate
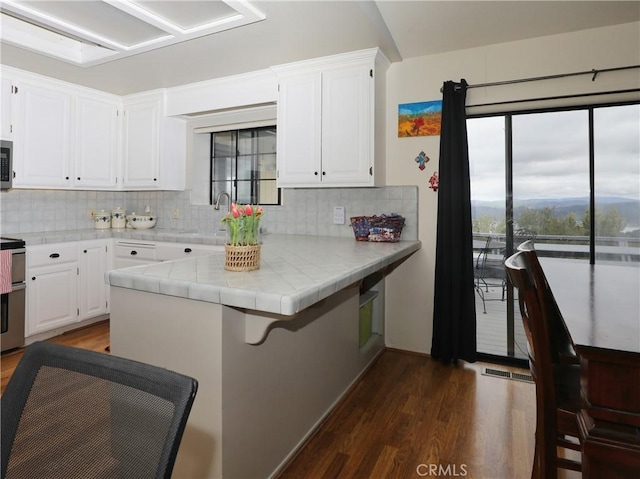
[338,215]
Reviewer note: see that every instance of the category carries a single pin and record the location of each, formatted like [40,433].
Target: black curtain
[454,315]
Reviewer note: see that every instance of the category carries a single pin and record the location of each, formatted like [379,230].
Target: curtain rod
[560,97]
[593,72]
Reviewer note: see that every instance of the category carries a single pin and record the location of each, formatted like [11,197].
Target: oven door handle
[18,287]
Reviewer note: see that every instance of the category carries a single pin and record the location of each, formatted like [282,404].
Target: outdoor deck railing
[608,248]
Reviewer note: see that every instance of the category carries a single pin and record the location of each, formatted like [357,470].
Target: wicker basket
[361,225]
[384,228]
[241,258]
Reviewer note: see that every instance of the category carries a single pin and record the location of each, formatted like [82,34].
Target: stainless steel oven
[12,304]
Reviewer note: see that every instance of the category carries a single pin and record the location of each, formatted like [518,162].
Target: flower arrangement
[243,224]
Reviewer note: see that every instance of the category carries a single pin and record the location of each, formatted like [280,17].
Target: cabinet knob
[84,251]
[187,250]
[78,178]
[315,173]
[66,177]
[54,255]
[155,179]
[33,278]
[324,173]
[134,252]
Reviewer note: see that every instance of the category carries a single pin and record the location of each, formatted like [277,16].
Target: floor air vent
[499,373]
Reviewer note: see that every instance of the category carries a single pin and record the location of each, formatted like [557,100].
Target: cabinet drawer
[135,251]
[45,255]
[171,251]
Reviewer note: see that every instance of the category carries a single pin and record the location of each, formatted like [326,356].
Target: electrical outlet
[175,214]
[338,215]
[92,213]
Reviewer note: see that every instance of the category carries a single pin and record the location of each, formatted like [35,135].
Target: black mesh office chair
[72,413]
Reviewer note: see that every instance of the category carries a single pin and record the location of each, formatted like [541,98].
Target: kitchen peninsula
[273,349]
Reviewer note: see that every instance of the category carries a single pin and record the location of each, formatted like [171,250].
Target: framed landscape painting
[419,119]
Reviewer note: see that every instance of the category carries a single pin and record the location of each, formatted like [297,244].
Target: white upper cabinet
[96,142]
[6,107]
[299,131]
[328,113]
[71,137]
[42,141]
[141,143]
[154,145]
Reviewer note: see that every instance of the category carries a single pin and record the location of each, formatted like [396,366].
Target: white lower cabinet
[92,291]
[66,281]
[52,287]
[65,284]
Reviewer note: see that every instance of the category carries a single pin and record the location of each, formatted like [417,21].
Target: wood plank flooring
[409,416]
[94,337]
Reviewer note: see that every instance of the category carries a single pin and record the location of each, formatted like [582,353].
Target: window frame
[254,182]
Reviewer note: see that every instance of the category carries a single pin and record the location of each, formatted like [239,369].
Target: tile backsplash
[306,211]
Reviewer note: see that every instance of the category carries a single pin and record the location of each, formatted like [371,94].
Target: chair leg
[481,294]
[535,470]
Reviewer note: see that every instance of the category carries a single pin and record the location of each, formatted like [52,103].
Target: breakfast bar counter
[273,349]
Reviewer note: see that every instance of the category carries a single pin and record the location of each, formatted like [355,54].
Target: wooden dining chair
[557,385]
[562,350]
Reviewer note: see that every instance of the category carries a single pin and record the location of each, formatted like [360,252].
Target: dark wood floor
[94,337]
[411,414]
[408,417]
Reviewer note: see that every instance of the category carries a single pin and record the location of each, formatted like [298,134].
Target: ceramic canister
[102,220]
[118,218]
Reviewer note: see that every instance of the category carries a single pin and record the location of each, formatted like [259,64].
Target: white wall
[409,290]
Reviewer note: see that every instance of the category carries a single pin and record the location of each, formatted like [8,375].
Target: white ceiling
[290,31]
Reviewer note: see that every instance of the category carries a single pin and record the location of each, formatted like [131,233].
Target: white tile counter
[295,272]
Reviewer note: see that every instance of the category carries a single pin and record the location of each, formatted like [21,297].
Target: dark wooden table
[600,305]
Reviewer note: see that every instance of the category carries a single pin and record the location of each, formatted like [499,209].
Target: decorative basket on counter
[383,228]
[241,258]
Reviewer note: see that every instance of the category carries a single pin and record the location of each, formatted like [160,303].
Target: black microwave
[6,164]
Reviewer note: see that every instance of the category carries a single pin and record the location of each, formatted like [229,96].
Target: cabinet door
[347,126]
[299,130]
[42,137]
[92,265]
[51,297]
[96,151]
[141,144]
[6,98]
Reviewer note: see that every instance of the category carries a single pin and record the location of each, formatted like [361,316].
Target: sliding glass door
[569,181]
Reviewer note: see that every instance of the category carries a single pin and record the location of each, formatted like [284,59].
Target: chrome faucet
[217,205]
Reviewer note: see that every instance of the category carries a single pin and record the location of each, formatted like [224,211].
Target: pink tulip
[248,210]
[235,212]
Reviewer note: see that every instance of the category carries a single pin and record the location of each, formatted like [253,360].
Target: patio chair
[489,270]
[72,413]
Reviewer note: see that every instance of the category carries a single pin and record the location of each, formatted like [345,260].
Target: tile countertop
[153,234]
[295,272]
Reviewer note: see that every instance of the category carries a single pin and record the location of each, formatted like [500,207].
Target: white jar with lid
[102,220]
[118,218]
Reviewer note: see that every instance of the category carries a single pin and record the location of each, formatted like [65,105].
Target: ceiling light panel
[97,19]
[189,15]
[119,27]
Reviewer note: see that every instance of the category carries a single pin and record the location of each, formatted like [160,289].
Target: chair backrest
[558,335]
[519,270]
[73,413]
